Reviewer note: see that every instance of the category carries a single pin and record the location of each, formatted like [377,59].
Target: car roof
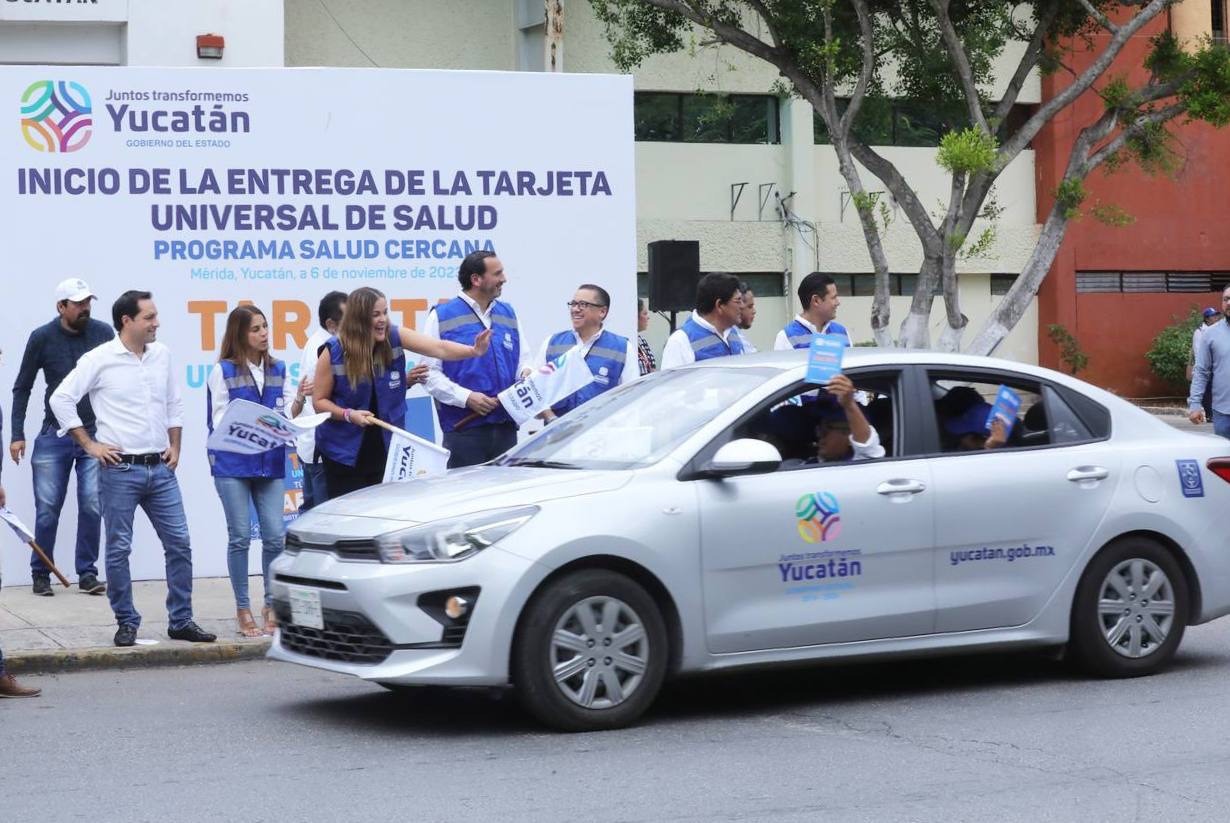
[857,356]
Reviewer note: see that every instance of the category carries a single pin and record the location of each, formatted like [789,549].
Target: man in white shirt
[843,433]
[132,388]
[819,301]
[746,318]
[607,354]
[709,332]
[329,313]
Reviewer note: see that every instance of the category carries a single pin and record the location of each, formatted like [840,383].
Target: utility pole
[553,42]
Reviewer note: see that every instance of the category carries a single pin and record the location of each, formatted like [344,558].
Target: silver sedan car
[699,519]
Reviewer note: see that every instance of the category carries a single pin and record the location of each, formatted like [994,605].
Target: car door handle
[901,486]
[1083,474]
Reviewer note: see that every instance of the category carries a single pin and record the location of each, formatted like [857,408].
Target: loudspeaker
[674,271]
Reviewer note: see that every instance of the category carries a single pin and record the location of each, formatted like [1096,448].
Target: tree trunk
[1010,309]
[916,328]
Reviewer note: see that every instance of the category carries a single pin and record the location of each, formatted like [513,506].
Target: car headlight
[451,540]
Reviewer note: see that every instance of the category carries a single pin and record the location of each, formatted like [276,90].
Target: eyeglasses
[584,304]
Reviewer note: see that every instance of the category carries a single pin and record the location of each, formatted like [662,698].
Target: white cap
[75,290]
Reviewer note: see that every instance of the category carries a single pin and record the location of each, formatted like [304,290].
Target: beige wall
[419,34]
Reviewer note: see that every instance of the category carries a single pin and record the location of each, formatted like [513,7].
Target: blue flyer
[824,357]
[1007,404]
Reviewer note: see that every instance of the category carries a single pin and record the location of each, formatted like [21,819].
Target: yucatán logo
[1189,478]
[56,116]
[818,516]
[275,424]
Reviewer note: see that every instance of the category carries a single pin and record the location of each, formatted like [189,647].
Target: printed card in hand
[1007,404]
[824,358]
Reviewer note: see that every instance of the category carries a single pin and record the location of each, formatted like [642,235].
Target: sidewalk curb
[164,654]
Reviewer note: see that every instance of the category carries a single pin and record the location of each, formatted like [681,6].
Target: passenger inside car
[963,418]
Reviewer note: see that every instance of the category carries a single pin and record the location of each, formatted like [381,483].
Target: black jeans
[479,444]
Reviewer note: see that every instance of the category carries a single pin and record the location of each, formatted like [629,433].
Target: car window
[808,427]
[963,402]
[639,423]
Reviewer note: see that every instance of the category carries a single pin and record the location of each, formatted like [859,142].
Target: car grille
[348,637]
[343,549]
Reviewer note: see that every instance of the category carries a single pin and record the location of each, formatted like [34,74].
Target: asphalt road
[1000,738]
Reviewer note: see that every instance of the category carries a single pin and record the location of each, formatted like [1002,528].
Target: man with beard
[55,348]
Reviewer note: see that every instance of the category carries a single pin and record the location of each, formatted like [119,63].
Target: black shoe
[90,584]
[42,587]
[192,633]
[126,635]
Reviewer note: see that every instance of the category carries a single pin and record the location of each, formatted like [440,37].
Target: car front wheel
[1130,610]
[590,652]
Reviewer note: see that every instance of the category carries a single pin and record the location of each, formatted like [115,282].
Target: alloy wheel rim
[599,652]
[1136,608]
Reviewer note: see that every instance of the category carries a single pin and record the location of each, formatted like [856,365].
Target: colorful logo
[275,424]
[818,517]
[56,117]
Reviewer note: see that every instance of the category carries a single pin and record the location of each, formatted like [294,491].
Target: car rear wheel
[590,652]
[1130,611]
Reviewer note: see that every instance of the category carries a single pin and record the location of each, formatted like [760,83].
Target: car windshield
[636,425]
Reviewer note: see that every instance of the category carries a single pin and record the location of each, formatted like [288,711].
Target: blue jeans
[1221,423]
[52,460]
[122,489]
[315,489]
[267,494]
[470,447]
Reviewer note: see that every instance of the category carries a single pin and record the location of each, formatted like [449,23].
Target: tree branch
[1029,61]
[1160,116]
[902,192]
[1102,19]
[868,68]
[733,35]
[960,60]
[1096,69]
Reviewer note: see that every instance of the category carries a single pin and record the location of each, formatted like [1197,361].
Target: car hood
[459,492]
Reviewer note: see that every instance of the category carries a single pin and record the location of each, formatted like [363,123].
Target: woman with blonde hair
[247,371]
[360,377]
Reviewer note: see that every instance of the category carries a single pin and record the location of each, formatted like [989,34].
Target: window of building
[1000,283]
[1151,282]
[762,283]
[884,122]
[1218,8]
[671,117]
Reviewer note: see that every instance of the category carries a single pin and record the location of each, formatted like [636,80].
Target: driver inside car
[842,433]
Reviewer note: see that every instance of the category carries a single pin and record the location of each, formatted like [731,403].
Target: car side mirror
[744,456]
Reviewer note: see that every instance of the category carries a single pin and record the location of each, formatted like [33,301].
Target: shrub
[1172,348]
[1070,351]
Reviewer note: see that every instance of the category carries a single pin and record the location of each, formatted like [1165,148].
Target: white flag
[250,428]
[545,387]
[412,457]
[16,525]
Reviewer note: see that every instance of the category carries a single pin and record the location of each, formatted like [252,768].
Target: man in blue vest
[476,427]
[607,354]
[819,300]
[709,332]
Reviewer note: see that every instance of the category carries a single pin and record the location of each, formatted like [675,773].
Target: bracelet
[346,415]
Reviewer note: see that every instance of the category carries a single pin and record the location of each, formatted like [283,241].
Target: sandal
[247,625]
[271,621]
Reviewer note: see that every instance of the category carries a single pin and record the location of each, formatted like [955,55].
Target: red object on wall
[210,46]
[1180,226]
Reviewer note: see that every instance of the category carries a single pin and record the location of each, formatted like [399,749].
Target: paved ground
[43,631]
[959,739]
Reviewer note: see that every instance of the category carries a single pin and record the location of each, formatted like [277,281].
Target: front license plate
[305,608]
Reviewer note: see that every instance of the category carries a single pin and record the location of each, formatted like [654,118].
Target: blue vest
[605,360]
[706,344]
[339,440]
[800,336]
[490,374]
[240,386]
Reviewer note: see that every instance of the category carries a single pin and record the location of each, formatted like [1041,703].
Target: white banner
[250,428]
[548,385]
[19,528]
[413,457]
[211,187]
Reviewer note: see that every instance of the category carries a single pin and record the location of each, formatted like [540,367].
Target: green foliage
[967,151]
[1070,194]
[982,245]
[865,344]
[1172,349]
[1070,351]
[1116,94]
[1111,215]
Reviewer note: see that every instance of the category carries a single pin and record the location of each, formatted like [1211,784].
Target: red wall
[1181,225]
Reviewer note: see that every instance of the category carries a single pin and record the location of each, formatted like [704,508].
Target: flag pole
[47,561]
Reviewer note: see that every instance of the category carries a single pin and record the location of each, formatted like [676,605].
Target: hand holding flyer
[1007,404]
[824,357]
